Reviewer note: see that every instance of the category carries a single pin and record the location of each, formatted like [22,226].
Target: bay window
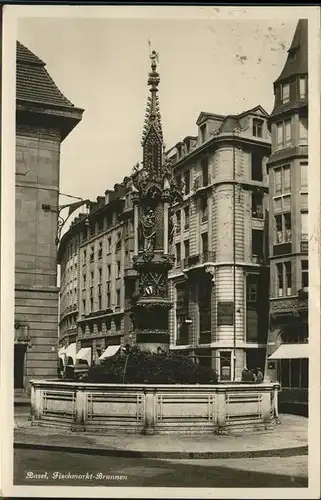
[304,226]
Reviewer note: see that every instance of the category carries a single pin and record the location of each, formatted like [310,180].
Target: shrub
[143,367]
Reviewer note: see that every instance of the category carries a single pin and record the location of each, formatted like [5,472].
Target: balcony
[290,305]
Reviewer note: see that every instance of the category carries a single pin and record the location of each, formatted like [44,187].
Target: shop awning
[291,351]
[70,352]
[110,351]
[61,350]
[85,354]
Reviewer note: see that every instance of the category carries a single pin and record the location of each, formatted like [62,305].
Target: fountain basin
[154,409]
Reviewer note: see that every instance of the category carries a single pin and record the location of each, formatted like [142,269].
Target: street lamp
[46,207]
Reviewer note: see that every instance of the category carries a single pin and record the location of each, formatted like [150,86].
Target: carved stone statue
[147,231]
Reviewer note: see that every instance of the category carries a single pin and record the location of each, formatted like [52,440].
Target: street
[117,471]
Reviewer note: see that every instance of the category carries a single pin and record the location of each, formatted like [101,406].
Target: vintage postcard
[160,230]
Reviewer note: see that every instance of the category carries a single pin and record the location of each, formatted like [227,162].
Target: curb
[281,452]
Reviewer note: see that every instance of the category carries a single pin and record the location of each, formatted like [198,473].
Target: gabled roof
[33,82]
[205,116]
[297,60]
[257,110]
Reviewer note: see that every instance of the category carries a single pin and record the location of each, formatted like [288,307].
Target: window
[109,245]
[257,205]
[179,151]
[203,132]
[303,131]
[251,289]
[302,87]
[288,277]
[204,166]
[108,272]
[285,93]
[100,250]
[118,244]
[118,324]
[187,182]
[256,167]
[117,298]
[118,269]
[186,217]
[257,127]
[84,306]
[304,174]
[204,305]
[278,181]
[280,285]
[304,226]
[178,254]
[188,146]
[225,365]
[283,134]
[283,228]
[282,199]
[284,279]
[92,253]
[257,243]
[109,220]
[84,281]
[84,257]
[108,300]
[204,239]
[91,305]
[305,274]
[279,135]
[287,133]
[92,278]
[186,249]
[178,221]
[204,209]
[99,303]
[99,275]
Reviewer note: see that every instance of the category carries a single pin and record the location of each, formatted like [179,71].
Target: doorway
[19,365]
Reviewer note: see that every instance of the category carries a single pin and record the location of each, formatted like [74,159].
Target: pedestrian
[245,375]
[259,376]
[253,376]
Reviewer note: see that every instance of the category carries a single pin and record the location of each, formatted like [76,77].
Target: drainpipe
[234,266]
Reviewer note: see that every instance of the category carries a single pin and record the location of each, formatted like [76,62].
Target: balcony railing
[199,258]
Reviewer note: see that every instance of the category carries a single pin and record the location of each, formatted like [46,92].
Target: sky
[101,65]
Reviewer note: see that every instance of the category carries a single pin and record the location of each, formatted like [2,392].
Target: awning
[70,352]
[291,351]
[110,351]
[84,353]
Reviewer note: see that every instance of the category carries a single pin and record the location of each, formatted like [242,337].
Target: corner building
[219,283]
[44,118]
[288,232]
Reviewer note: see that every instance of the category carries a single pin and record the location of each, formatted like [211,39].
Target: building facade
[44,118]
[288,232]
[97,276]
[219,283]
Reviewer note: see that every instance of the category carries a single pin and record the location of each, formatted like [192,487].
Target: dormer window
[179,152]
[188,146]
[285,93]
[203,132]
[302,87]
[257,127]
